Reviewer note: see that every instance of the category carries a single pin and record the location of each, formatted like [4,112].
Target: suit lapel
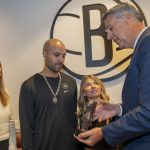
[143,35]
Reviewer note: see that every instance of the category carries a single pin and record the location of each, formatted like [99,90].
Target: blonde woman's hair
[81,99]
[4,97]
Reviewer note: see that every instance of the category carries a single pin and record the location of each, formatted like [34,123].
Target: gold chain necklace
[58,88]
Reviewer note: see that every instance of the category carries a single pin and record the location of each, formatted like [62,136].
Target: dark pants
[4,145]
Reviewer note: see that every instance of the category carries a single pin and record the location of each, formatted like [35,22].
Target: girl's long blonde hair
[81,99]
[4,97]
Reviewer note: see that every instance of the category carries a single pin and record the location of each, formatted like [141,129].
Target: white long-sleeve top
[7,127]
[4,121]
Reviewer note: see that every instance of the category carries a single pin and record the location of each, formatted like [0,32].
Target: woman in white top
[7,126]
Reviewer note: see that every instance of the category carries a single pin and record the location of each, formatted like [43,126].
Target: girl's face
[91,89]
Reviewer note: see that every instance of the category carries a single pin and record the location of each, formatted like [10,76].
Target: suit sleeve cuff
[120,114]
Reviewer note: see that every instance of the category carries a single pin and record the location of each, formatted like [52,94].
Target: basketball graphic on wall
[79,24]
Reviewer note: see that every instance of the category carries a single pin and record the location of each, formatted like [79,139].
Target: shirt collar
[139,37]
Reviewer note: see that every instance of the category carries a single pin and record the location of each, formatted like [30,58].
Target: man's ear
[128,17]
[44,53]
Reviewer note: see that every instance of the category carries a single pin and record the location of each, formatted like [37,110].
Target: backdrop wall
[24,27]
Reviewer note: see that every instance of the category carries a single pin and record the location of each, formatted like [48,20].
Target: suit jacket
[133,128]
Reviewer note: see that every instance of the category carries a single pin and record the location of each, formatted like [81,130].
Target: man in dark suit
[125,27]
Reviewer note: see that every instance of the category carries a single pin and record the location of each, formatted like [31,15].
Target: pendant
[54,99]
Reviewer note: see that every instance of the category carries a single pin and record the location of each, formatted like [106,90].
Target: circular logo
[65,86]
[78,23]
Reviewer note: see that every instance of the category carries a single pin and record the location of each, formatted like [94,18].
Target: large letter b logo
[79,25]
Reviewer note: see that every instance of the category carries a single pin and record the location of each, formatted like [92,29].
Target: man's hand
[106,111]
[90,137]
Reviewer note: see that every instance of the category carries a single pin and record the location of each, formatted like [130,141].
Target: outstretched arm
[106,111]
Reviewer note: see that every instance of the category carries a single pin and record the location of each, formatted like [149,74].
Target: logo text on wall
[78,23]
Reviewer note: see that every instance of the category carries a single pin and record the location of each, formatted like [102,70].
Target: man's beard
[51,68]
